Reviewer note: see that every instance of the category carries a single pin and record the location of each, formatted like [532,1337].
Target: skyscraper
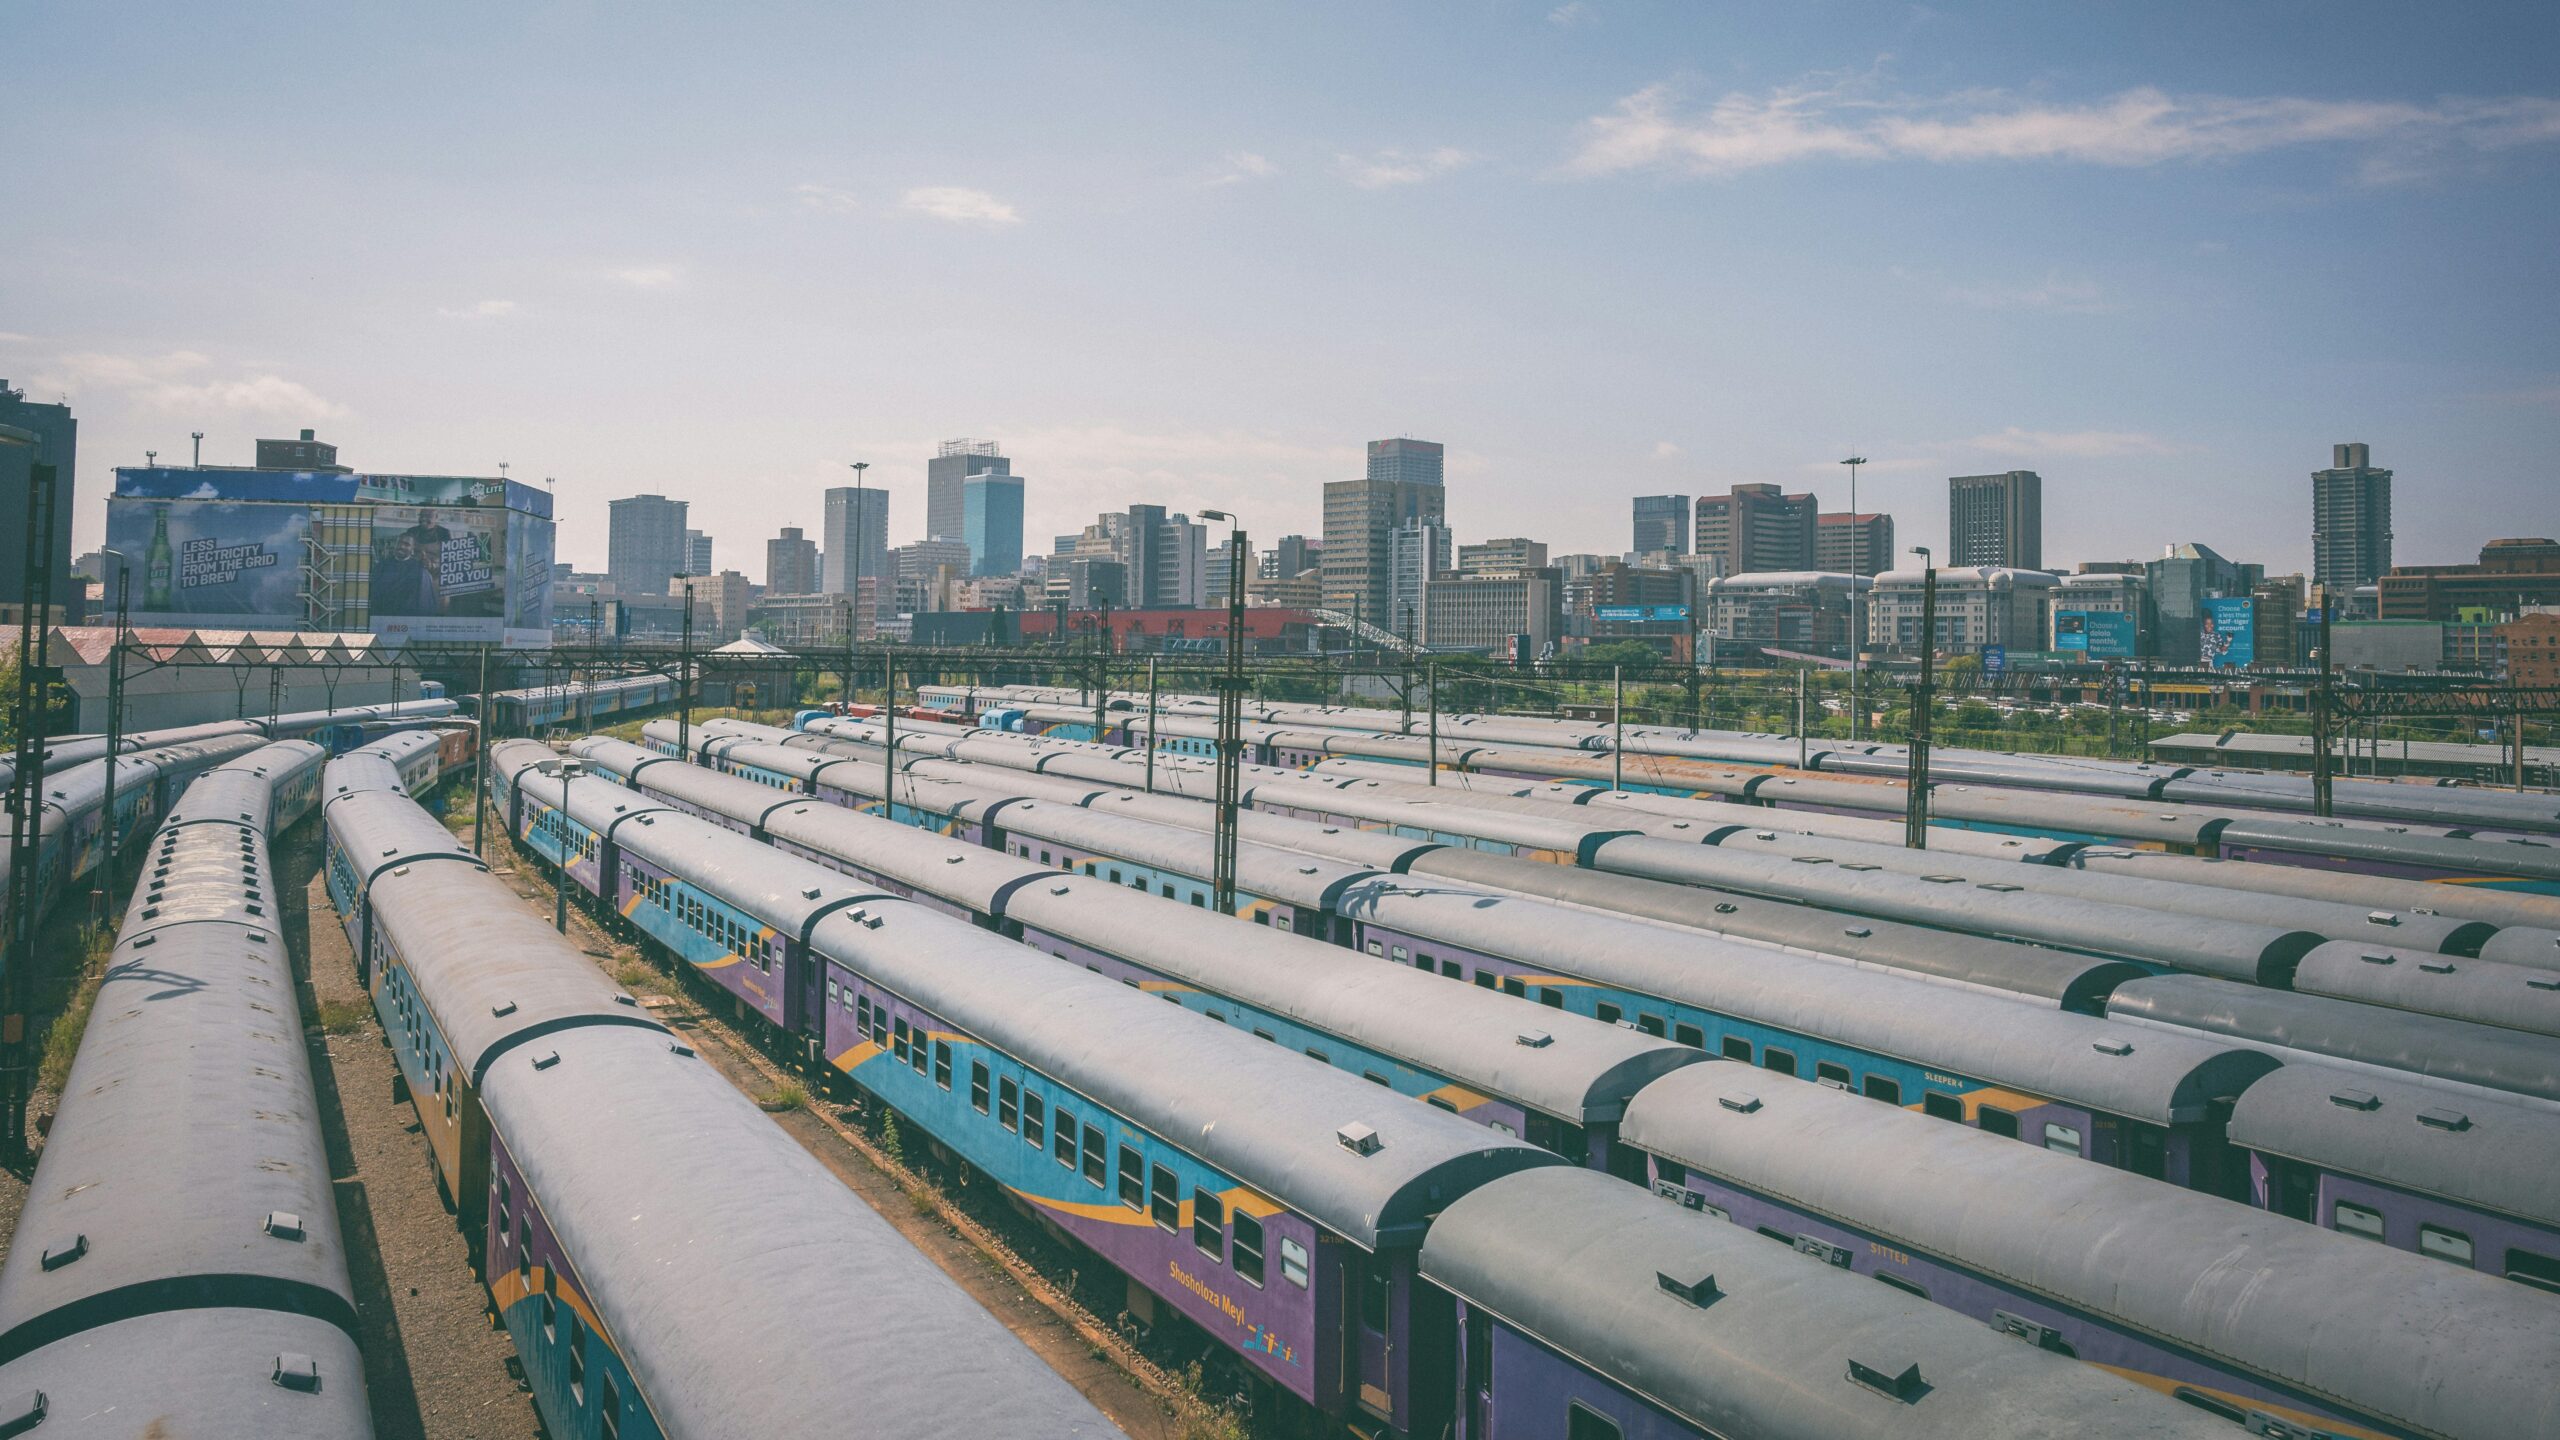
[855,517]
[697,553]
[1360,521]
[946,476]
[58,445]
[644,544]
[1860,544]
[2350,519]
[991,522]
[1759,530]
[1662,523]
[1417,461]
[1417,554]
[1996,520]
[791,563]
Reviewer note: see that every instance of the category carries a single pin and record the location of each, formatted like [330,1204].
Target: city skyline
[1623,249]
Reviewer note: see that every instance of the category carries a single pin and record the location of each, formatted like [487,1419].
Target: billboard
[2100,634]
[216,565]
[2229,637]
[1658,614]
[432,558]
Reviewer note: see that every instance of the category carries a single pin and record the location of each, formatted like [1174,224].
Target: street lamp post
[684,675]
[115,724]
[1230,718]
[1857,556]
[1915,812]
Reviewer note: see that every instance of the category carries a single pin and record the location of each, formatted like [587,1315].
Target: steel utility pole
[35,591]
[480,761]
[2322,698]
[1801,756]
[684,677]
[1230,719]
[845,701]
[889,718]
[1617,727]
[1915,814]
[1151,724]
[1857,612]
[107,865]
[569,770]
[1431,678]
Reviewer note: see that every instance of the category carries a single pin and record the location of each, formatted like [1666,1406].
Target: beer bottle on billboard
[160,564]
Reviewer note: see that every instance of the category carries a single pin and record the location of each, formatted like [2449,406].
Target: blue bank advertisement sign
[2230,635]
[2099,634]
[1640,613]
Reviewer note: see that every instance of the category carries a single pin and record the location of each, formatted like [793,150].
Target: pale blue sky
[1195,254]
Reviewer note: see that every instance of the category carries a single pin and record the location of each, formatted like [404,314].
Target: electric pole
[1915,816]
[1230,720]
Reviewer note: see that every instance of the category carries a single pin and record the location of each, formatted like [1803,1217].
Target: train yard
[914,1072]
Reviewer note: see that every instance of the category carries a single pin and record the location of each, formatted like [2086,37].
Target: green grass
[62,1034]
[343,1017]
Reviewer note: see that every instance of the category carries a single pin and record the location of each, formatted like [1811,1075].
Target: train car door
[1373,1347]
[1478,1421]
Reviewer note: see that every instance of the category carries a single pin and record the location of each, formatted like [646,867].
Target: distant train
[984,1044]
[178,1268]
[521,712]
[1289,1209]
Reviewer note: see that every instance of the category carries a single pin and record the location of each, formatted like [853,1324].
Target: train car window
[1514,985]
[1208,1225]
[1832,1072]
[2440,1243]
[978,1086]
[1198,902]
[1781,1236]
[2539,1271]
[1905,1286]
[1097,1161]
[1261,1034]
[1584,1423]
[1651,1025]
[1378,948]
[1115,876]
[2062,1139]
[1374,1078]
[1008,1104]
[1552,999]
[1319,1056]
[1998,1121]
[1884,1088]
[1064,1148]
[1133,1178]
[550,1319]
[1377,1297]
[2211,1405]
[1736,1047]
[900,1044]
[1293,1262]
[1402,954]
[2356,1220]
[1607,1013]
[577,1360]
[942,1063]
[1487,980]
[1939,1105]
[1164,1195]
[879,1024]
[1248,1253]
[1452,970]
[524,1249]
[920,1053]
[1436,1103]
[1689,1035]
[1782,1061]
[1035,1120]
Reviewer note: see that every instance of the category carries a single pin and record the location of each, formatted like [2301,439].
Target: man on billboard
[401,585]
[426,539]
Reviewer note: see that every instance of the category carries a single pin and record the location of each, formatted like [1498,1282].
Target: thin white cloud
[484,310]
[1241,165]
[810,195]
[1664,450]
[959,205]
[2070,444]
[2054,293]
[1565,17]
[647,277]
[1833,118]
[181,382]
[1388,168]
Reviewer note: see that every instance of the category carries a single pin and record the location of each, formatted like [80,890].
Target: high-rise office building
[644,543]
[991,522]
[1662,523]
[946,478]
[1292,555]
[1860,544]
[1417,554]
[2350,519]
[1168,559]
[791,563]
[309,453]
[1414,461]
[57,443]
[2180,581]
[1759,530]
[1508,552]
[697,553]
[857,521]
[1996,520]
[1360,521]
